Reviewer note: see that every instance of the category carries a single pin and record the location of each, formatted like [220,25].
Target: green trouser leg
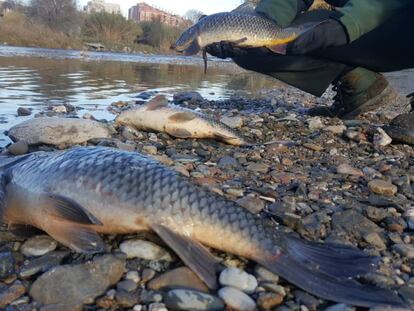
[388,48]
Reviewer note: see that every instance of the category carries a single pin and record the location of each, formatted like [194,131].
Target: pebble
[238,278]
[78,283]
[184,299]
[347,169]
[181,277]
[313,147]
[340,307]
[227,163]
[405,250]
[38,246]
[18,148]
[59,109]
[262,274]
[127,286]
[9,294]
[144,250]
[7,263]
[42,264]
[268,301]
[233,122]
[381,138]
[156,306]
[236,299]
[252,203]
[336,129]
[126,299]
[150,149]
[382,187]
[187,96]
[133,276]
[409,215]
[258,168]
[62,307]
[22,111]
[315,124]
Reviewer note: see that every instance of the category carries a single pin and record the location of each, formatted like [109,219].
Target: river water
[39,78]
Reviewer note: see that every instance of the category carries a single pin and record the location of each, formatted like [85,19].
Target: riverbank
[334,184]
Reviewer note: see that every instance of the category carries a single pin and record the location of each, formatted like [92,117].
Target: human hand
[225,49]
[328,33]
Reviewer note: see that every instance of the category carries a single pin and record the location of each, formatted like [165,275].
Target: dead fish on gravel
[157,115]
[74,195]
[243,29]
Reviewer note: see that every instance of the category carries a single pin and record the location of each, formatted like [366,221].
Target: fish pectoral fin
[180,133]
[192,253]
[157,102]
[278,48]
[24,231]
[80,238]
[182,116]
[65,209]
[193,49]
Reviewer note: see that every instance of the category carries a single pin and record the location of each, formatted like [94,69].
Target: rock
[382,187]
[133,276]
[237,278]
[258,168]
[127,286]
[336,129]
[340,307]
[409,215]
[313,147]
[59,109]
[147,274]
[150,149]
[126,299]
[187,96]
[227,163]
[354,224]
[178,278]
[268,301]
[58,131]
[157,307]
[18,148]
[62,307]
[7,263]
[42,264]
[144,250]
[262,274]
[315,124]
[375,239]
[346,169]
[38,246]
[381,138]
[184,299]
[252,204]
[405,250]
[79,283]
[233,122]
[10,294]
[236,299]
[22,111]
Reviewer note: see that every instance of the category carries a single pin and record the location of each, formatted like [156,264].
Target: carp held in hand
[74,195]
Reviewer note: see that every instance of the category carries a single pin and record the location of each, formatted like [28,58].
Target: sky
[179,6]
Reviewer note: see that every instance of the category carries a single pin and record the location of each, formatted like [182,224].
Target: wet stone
[178,278]
[346,169]
[233,122]
[183,299]
[187,96]
[127,286]
[382,187]
[315,124]
[258,168]
[340,307]
[133,276]
[22,111]
[381,138]
[157,306]
[144,250]
[268,301]
[38,246]
[7,265]
[42,264]
[18,148]
[236,299]
[237,278]
[62,307]
[79,283]
[227,163]
[147,274]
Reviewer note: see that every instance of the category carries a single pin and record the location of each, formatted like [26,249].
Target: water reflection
[38,82]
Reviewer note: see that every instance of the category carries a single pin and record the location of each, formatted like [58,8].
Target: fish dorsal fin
[192,253]
[248,7]
[184,116]
[66,209]
[157,102]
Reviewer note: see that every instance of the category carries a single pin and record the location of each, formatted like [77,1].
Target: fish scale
[75,194]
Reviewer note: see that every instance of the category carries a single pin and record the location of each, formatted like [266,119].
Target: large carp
[76,194]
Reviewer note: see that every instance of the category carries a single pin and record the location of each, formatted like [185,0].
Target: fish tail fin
[326,270]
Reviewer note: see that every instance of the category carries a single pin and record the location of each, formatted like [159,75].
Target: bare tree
[193,15]
[57,14]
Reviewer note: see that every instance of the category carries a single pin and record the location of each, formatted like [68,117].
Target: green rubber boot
[357,92]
